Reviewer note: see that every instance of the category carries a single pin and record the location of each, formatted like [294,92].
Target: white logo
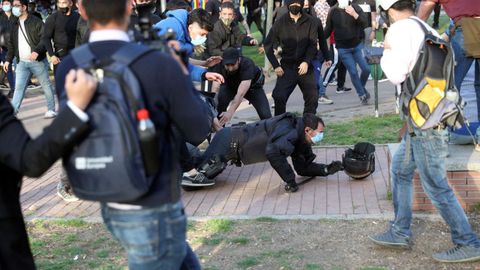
[92,163]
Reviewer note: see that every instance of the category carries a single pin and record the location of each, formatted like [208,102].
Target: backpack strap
[83,56]
[129,53]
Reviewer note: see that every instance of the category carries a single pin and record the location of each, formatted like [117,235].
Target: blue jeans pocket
[175,233]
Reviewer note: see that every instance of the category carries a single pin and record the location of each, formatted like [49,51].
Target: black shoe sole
[189,184]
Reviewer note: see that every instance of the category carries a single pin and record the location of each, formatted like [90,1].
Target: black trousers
[257,18]
[336,65]
[14,248]
[256,96]
[287,83]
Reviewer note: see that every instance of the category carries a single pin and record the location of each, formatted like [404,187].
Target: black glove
[334,167]
[291,187]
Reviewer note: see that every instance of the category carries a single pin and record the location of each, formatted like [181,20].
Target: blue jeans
[350,58]
[317,69]
[23,72]
[464,63]
[154,238]
[428,150]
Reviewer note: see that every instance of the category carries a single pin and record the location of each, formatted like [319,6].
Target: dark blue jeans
[350,58]
[154,238]
[464,63]
[10,74]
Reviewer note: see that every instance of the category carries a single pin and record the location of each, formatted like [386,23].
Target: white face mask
[343,3]
[16,11]
[198,40]
[7,8]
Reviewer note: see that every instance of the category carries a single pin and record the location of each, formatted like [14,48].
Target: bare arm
[425,9]
[225,117]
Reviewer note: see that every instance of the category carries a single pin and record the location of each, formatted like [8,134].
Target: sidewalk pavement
[249,191]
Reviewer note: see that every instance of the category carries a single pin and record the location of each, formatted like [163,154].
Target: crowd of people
[206,45]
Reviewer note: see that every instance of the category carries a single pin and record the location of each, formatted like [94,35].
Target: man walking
[424,150]
[26,44]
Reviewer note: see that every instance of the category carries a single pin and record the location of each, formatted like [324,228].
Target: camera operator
[155,222]
[147,6]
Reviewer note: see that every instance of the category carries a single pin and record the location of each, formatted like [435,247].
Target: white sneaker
[324,100]
[50,114]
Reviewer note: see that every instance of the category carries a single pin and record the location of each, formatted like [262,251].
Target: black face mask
[146,8]
[232,72]
[332,2]
[294,9]
[306,11]
[63,10]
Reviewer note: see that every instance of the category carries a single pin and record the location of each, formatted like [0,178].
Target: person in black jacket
[273,139]
[27,46]
[155,222]
[7,21]
[297,35]
[347,22]
[61,30]
[20,155]
[226,33]
[83,32]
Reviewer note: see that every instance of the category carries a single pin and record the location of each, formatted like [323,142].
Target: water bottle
[148,142]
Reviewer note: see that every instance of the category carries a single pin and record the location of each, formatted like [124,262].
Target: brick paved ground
[254,190]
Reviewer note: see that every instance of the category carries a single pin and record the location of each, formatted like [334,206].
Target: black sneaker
[459,254]
[291,187]
[344,89]
[198,180]
[388,239]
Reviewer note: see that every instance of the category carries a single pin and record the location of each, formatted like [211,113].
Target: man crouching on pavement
[272,139]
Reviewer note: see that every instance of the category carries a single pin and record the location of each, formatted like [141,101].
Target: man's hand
[55,60]
[253,41]
[351,11]
[212,61]
[5,66]
[225,117]
[216,125]
[199,49]
[213,76]
[334,167]
[80,87]
[279,71]
[303,68]
[33,56]
[174,44]
[328,63]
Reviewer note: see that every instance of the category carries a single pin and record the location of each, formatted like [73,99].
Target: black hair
[23,2]
[202,17]
[311,120]
[105,11]
[404,5]
[10,1]
[228,5]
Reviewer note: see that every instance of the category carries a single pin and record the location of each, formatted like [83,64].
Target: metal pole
[375,87]
[267,28]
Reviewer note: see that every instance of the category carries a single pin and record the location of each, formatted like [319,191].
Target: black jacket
[223,37]
[83,32]
[347,30]
[34,31]
[174,103]
[297,39]
[20,155]
[6,24]
[62,30]
[275,139]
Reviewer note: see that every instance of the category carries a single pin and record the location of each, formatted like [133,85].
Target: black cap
[230,56]
[300,2]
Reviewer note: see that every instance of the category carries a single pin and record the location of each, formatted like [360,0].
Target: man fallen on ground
[274,140]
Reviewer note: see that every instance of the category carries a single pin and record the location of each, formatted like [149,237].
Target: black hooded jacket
[297,39]
[275,139]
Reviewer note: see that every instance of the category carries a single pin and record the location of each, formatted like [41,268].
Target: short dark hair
[227,5]
[105,11]
[23,2]
[10,1]
[311,120]
[403,5]
[202,17]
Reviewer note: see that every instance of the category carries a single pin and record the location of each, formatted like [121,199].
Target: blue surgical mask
[317,138]
[7,8]
[16,11]
[199,40]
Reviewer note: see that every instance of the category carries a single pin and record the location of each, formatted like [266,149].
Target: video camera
[150,37]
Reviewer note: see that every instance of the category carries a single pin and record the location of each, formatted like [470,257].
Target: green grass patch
[313,266]
[365,129]
[213,241]
[102,254]
[240,240]
[76,223]
[266,219]
[219,225]
[373,268]
[248,262]
[389,195]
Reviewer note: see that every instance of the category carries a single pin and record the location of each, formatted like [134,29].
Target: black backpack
[108,165]
[429,97]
